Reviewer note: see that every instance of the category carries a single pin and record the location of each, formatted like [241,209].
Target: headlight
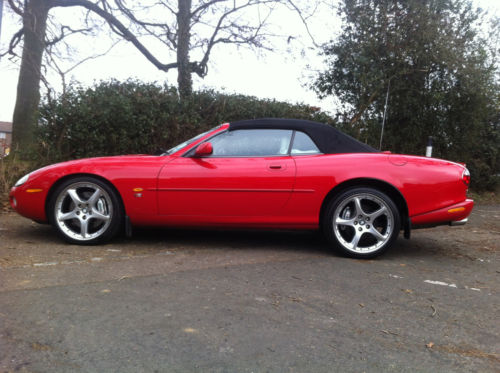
[22,180]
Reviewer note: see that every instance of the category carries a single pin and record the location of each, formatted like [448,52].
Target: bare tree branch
[115,24]
[204,6]
[171,36]
[167,5]
[14,41]
[201,67]
[63,35]
[15,8]
[304,21]
[93,57]
[52,61]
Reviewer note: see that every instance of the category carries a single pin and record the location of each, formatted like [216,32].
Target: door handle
[275,166]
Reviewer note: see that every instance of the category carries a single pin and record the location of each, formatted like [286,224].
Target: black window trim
[290,146]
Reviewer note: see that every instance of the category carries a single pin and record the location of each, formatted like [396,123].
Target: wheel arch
[378,184]
[61,180]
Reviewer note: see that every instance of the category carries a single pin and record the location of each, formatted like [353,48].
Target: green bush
[132,117]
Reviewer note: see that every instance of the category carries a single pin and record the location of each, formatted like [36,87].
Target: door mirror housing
[204,149]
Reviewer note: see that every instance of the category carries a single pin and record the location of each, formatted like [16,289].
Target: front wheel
[85,211]
[361,222]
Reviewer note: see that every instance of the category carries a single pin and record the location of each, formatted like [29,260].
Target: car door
[249,175]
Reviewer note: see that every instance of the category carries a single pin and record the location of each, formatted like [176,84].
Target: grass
[11,169]
[485,198]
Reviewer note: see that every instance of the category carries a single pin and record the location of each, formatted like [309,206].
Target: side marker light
[34,190]
[457,209]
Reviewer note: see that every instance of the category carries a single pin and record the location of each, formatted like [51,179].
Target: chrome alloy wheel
[363,223]
[83,211]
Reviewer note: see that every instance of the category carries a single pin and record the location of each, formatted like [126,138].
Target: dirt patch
[26,243]
[467,351]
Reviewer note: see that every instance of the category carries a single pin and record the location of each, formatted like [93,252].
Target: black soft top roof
[328,139]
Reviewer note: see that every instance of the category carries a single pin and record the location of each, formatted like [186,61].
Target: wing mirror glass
[204,149]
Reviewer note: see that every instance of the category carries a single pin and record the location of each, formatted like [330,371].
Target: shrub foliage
[132,117]
[437,70]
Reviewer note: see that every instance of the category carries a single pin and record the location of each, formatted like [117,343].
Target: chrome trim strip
[229,190]
[222,190]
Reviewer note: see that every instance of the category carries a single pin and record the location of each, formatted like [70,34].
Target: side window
[251,143]
[302,144]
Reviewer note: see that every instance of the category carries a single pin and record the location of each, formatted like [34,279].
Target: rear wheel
[361,222]
[85,211]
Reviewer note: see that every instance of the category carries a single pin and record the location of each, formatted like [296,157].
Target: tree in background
[180,26]
[190,29]
[440,74]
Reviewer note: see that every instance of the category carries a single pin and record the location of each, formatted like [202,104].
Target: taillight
[466,177]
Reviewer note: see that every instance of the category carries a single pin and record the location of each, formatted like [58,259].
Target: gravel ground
[246,301]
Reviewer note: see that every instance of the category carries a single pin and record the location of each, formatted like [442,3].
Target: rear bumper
[458,222]
[454,215]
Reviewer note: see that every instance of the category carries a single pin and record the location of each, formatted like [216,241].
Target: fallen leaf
[388,332]
[429,345]
[433,311]
[40,347]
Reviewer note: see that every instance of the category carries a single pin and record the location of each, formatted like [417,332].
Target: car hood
[99,161]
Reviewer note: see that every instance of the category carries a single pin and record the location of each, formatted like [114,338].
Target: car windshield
[187,142]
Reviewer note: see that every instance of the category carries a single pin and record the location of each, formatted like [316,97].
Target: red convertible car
[265,173]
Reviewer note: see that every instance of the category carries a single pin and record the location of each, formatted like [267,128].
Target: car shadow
[239,239]
[277,240]
[420,246]
[423,247]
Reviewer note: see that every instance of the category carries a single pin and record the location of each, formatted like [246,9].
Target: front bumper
[454,215]
[29,203]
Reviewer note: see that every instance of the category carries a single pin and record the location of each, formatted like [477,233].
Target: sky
[283,75]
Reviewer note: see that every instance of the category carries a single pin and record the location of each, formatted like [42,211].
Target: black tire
[361,222]
[85,210]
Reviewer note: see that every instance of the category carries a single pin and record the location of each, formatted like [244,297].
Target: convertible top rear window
[302,144]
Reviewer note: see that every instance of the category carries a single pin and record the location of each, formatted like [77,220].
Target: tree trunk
[1,13]
[184,80]
[28,87]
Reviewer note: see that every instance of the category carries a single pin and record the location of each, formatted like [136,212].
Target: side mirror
[204,149]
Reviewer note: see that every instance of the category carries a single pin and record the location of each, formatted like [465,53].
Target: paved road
[181,301]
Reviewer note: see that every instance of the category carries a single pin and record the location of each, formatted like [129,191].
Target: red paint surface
[267,192]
